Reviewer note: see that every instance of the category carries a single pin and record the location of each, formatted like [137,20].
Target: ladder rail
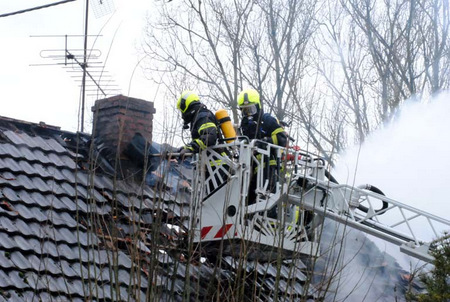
[372,222]
[406,244]
[387,199]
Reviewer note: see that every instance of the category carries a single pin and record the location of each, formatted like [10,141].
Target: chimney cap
[124,102]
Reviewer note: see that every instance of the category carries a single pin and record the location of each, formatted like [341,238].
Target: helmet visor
[249,110]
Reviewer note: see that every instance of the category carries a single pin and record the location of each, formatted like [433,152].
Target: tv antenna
[93,76]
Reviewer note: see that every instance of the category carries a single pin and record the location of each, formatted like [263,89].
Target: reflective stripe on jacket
[203,130]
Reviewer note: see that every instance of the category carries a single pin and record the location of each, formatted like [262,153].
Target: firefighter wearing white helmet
[200,121]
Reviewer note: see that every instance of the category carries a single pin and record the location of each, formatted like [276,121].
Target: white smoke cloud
[409,160]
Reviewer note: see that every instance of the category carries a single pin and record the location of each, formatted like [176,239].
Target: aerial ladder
[294,192]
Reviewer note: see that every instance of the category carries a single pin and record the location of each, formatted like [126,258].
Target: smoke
[409,158]
[409,161]
[356,269]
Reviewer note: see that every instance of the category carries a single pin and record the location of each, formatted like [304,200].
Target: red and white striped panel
[216,232]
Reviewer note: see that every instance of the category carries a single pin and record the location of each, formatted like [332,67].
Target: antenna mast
[84,65]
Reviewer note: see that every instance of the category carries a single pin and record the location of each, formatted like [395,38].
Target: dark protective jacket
[203,130]
[265,127]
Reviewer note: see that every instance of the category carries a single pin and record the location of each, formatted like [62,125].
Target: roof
[72,230]
[50,245]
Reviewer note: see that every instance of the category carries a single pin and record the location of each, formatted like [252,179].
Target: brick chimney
[116,120]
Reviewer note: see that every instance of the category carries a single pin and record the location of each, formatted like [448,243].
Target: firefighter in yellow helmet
[256,124]
[201,122]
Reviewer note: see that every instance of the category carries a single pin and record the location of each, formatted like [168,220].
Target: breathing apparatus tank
[225,124]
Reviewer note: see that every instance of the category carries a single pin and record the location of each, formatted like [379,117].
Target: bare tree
[372,56]
[280,51]
[337,71]
[227,46]
[342,64]
[435,30]
[406,42]
[203,41]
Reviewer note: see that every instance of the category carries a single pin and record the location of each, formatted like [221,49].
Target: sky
[49,93]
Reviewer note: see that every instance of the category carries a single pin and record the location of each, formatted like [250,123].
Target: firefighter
[205,133]
[200,120]
[256,124]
